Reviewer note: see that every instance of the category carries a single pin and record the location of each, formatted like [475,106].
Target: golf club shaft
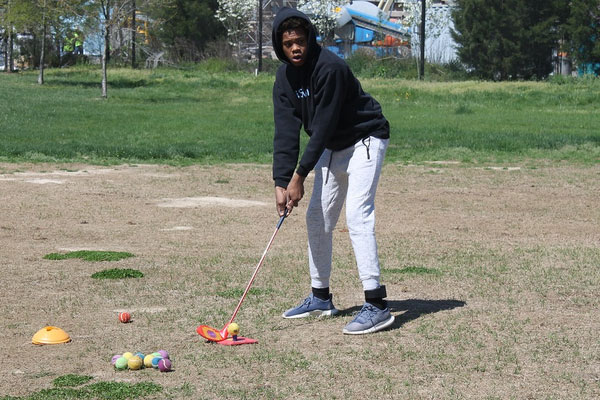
[257,268]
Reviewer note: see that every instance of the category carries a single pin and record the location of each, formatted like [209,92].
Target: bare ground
[493,275]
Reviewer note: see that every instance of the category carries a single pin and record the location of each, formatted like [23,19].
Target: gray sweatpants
[349,175]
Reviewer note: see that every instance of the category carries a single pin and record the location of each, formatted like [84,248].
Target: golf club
[213,334]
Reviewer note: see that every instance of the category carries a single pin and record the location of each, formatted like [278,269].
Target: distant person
[69,46]
[78,43]
[349,135]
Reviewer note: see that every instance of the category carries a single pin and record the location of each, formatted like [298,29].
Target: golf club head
[212,334]
[225,332]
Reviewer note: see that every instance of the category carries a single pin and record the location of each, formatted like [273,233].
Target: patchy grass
[237,293]
[117,273]
[64,388]
[71,380]
[412,270]
[90,255]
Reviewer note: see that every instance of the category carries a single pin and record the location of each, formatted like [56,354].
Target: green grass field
[200,116]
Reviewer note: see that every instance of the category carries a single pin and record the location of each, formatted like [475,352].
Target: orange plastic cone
[50,335]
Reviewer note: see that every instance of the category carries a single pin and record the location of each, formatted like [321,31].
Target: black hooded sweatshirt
[325,98]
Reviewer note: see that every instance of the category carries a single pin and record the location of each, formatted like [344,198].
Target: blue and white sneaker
[312,306]
[368,320]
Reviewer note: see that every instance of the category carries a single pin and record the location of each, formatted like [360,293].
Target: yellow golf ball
[233,328]
[148,361]
[128,355]
[134,362]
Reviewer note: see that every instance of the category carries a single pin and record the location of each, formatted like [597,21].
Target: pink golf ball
[163,353]
[164,365]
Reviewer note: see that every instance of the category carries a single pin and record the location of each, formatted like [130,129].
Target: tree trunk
[260,34]
[5,52]
[105,61]
[106,53]
[10,62]
[422,41]
[133,32]
[58,50]
[106,12]
[42,51]
[107,41]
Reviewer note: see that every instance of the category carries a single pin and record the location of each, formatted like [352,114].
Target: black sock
[376,297]
[321,293]
[379,303]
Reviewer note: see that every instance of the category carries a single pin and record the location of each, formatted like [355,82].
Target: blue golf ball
[155,361]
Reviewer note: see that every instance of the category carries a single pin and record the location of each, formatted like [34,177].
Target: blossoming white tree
[237,17]
[322,14]
[437,24]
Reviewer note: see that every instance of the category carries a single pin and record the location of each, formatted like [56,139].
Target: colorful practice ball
[233,328]
[121,363]
[148,361]
[155,361]
[134,362]
[164,365]
[127,355]
[163,353]
[140,355]
[115,358]
[124,317]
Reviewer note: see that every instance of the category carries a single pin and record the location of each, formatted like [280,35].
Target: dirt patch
[188,202]
[492,274]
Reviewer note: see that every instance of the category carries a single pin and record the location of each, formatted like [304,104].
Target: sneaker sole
[376,328]
[314,313]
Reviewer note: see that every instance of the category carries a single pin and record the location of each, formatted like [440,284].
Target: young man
[315,89]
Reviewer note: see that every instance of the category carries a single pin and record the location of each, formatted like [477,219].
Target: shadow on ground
[112,83]
[413,309]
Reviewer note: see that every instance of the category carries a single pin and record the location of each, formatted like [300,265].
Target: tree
[133,32]
[236,16]
[109,15]
[422,39]
[7,26]
[39,20]
[48,12]
[42,51]
[512,39]
[187,26]
[322,14]
[582,34]
[116,26]
[541,35]
[15,18]
[437,21]
[105,15]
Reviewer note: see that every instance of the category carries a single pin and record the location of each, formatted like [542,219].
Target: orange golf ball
[124,317]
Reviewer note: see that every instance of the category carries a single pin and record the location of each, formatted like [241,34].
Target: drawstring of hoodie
[367,146]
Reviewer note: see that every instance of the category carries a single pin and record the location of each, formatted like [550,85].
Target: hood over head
[283,14]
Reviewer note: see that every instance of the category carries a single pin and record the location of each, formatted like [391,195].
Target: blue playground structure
[362,24]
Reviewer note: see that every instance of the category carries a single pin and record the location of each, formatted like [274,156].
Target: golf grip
[258,267]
